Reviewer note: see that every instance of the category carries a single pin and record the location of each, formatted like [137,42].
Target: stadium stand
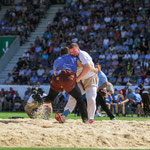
[115,33]
[50,13]
[22,19]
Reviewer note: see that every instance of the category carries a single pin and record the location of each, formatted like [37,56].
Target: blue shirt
[120,100]
[66,62]
[115,97]
[102,78]
[108,99]
[136,96]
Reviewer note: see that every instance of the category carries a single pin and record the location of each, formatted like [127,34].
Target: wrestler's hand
[49,106]
[98,67]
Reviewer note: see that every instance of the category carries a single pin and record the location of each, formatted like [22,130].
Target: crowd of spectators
[7,2]
[10,100]
[22,18]
[115,33]
[125,101]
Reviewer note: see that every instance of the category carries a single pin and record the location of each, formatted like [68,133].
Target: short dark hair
[64,50]
[141,85]
[73,45]
[97,63]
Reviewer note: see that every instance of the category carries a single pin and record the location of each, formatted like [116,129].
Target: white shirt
[38,49]
[147,56]
[84,28]
[74,40]
[134,56]
[96,26]
[26,55]
[101,56]
[2,99]
[105,41]
[107,19]
[9,80]
[64,20]
[40,71]
[115,56]
[22,72]
[123,34]
[127,56]
[147,81]
[85,58]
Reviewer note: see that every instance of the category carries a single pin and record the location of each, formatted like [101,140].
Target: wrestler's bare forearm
[95,70]
[86,69]
[79,64]
[103,86]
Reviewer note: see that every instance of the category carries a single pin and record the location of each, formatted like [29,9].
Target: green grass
[6,115]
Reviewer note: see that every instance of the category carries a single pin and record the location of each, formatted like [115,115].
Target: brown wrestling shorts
[66,80]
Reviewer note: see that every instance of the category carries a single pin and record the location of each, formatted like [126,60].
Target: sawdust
[73,133]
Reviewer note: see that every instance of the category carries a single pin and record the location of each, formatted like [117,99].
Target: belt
[82,85]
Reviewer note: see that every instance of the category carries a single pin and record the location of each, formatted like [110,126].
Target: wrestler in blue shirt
[101,99]
[64,78]
[102,78]
[65,62]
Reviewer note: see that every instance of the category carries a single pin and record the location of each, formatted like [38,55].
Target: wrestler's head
[64,50]
[74,49]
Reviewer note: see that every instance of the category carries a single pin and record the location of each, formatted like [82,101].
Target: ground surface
[48,133]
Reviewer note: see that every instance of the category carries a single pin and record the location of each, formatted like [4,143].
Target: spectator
[9,80]
[11,91]
[147,81]
[2,100]
[109,101]
[33,79]
[40,71]
[135,99]
[17,103]
[119,100]
[8,103]
[27,95]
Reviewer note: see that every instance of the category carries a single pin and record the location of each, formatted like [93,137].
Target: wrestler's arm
[103,85]
[86,69]
[93,69]
[79,64]
[97,69]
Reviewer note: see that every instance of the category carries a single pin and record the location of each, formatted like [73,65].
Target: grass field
[6,115]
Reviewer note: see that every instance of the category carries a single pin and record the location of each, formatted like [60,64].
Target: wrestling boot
[91,121]
[60,118]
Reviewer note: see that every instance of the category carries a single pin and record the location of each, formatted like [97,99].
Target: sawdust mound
[73,133]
